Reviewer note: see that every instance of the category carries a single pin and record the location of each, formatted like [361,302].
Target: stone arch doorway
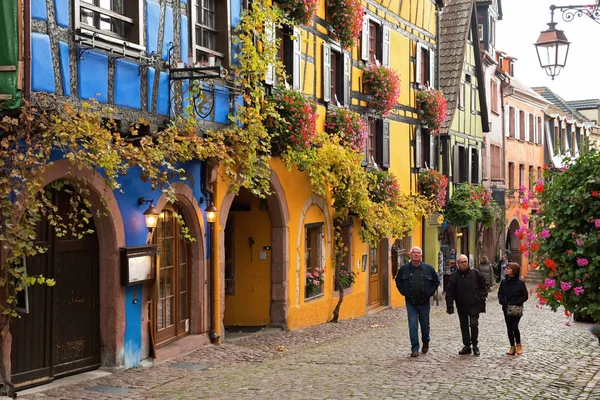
[254,258]
[513,250]
[100,253]
[179,297]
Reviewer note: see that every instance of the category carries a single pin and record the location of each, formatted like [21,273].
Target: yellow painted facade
[271,291]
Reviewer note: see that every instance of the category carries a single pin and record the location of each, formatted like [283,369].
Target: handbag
[514,311]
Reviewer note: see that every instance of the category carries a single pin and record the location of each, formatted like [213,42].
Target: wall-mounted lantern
[211,213]
[151,214]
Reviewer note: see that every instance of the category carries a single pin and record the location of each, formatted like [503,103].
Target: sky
[520,27]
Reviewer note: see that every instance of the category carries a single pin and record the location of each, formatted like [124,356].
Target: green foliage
[462,207]
[472,203]
[567,236]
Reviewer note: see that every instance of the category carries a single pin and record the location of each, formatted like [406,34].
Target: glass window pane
[160,324]
[183,306]
[168,282]
[168,252]
[169,310]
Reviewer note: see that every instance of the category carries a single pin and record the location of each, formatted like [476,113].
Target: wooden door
[61,333]
[374,278]
[172,302]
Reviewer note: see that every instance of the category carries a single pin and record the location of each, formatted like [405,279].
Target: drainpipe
[214,292]
[27,49]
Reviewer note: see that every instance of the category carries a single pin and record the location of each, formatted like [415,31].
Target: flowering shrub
[298,127]
[345,17]
[347,276]
[472,203]
[384,84]
[314,281]
[348,125]
[384,188]
[433,185]
[432,104]
[300,11]
[565,239]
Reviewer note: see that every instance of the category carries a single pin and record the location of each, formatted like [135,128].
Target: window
[118,19]
[474,165]
[492,31]
[531,129]
[531,178]
[313,251]
[540,131]
[377,151]
[336,75]
[473,99]
[521,125]
[494,97]
[425,149]
[521,175]
[290,54]
[511,123]
[539,172]
[425,67]
[460,166]
[480,32]
[511,175]
[208,30]
[496,162]
[375,41]
[461,96]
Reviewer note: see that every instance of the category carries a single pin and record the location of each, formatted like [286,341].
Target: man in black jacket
[467,288]
[417,282]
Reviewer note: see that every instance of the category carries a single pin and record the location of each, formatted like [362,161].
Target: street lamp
[552,46]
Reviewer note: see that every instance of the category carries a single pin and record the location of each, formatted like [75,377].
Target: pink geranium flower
[578,290]
[582,262]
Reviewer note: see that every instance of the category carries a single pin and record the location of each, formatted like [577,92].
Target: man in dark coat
[417,282]
[467,288]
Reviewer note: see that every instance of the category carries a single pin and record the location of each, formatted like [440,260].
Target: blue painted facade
[136,87]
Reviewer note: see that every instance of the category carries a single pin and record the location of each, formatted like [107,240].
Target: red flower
[535,246]
[595,193]
[550,263]
[558,296]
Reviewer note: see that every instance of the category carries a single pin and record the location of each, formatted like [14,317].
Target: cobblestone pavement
[368,358]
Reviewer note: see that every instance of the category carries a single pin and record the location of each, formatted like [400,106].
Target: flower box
[432,106]
[299,11]
[348,125]
[383,85]
[345,17]
[297,127]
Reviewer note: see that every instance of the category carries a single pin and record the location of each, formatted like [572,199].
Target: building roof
[454,30]
[559,102]
[517,84]
[590,104]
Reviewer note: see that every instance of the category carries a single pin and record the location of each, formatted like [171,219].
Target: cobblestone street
[368,358]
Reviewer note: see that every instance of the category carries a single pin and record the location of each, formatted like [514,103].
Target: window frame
[132,19]
[222,51]
[494,97]
[314,235]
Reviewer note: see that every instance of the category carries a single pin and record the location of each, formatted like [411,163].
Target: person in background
[417,282]
[467,288]
[503,263]
[513,291]
[486,269]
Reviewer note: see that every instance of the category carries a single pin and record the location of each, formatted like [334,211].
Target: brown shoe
[512,351]
[414,353]
[519,349]
[425,348]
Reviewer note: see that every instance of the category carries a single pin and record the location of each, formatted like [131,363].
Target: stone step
[533,276]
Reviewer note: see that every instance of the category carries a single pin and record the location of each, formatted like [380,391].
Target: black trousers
[469,327]
[512,328]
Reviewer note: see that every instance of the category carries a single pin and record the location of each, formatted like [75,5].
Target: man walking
[417,282]
[467,288]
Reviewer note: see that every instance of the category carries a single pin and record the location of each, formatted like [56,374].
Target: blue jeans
[418,315]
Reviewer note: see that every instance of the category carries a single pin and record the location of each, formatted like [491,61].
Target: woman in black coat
[513,292]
